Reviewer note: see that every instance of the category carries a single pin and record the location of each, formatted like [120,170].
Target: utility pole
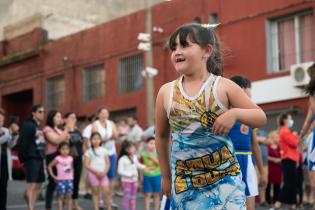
[149,63]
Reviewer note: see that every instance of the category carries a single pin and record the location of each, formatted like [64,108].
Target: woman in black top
[76,142]
[32,153]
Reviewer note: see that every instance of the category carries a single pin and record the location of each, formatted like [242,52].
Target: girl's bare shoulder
[164,93]
[166,87]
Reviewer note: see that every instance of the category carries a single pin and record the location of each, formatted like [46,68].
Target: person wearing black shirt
[76,143]
[32,153]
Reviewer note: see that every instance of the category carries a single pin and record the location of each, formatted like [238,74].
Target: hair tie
[210,26]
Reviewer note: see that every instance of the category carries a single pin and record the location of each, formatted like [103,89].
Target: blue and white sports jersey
[311,151]
[205,171]
[241,136]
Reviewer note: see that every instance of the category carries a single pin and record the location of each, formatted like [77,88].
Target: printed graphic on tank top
[205,171]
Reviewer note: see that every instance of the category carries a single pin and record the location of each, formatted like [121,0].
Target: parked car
[18,170]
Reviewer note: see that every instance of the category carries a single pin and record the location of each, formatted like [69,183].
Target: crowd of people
[61,154]
[209,152]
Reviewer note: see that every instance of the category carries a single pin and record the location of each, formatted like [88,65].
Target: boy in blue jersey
[245,144]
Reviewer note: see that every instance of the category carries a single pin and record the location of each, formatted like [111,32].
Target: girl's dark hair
[91,118]
[310,87]
[123,150]
[92,135]
[241,81]
[50,118]
[203,36]
[282,117]
[68,114]
[150,138]
[311,71]
[62,144]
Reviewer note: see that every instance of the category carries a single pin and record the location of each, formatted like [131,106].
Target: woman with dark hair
[53,137]
[76,142]
[309,126]
[288,142]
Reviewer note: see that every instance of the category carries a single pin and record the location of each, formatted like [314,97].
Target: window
[93,82]
[55,92]
[130,78]
[290,41]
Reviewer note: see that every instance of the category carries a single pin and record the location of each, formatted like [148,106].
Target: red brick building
[102,66]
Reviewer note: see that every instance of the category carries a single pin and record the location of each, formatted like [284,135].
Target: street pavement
[16,200]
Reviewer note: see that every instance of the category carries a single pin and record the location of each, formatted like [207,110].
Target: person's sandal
[77,208]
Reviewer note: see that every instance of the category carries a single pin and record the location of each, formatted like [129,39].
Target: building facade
[102,66]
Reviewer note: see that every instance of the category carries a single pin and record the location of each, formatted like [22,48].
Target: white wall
[66,17]
[274,90]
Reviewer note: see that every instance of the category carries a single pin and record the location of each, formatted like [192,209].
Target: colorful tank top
[205,172]
[241,136]
[311,151]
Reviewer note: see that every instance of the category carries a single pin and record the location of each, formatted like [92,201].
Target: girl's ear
[208,51]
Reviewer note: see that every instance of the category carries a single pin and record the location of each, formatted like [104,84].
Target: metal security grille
[55,91]
[290,41]
[93,82]
[130,78]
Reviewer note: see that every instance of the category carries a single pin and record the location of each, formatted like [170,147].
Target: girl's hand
[167,186]
[100,175]
[224,123]
[94,128]
[149,169]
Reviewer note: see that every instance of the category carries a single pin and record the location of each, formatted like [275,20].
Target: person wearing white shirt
[136,132]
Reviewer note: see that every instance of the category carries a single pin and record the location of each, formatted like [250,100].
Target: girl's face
[190,58]
[131,150]
[151,145]
[64,151]
[58,119]
[96,141]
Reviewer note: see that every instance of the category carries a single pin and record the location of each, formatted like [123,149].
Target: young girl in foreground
[64,177]
[202,172]
[96,161]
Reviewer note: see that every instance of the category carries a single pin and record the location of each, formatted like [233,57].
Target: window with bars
[290,41]
[130,78]
[55,92]
[93,82]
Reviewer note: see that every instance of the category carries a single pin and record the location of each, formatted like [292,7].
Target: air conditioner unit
[299,74]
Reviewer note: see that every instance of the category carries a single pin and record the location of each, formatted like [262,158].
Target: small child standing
[128,166]
[64,178]
[152,176]
[96,161]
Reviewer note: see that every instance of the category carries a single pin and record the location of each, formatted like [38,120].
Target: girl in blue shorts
[152,175]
